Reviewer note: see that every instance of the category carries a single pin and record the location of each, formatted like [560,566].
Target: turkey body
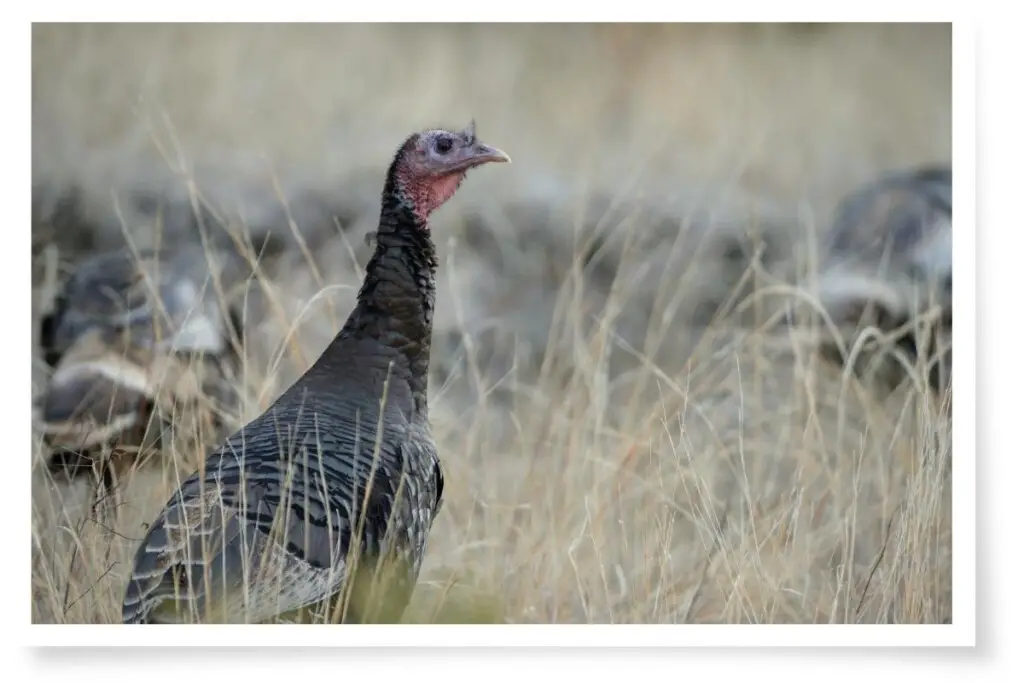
[325,500]
[331,467]
[133,339]
[286,496]
[889,263]
[891,243]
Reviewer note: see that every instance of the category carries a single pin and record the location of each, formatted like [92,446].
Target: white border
[536,636]
[16,416]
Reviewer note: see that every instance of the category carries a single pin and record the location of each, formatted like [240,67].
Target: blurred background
[794,113]
[649,162]
[710,130]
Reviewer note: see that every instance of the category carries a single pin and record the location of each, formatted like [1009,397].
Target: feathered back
[890,245]
[138,337]
[171,298]
[889,262]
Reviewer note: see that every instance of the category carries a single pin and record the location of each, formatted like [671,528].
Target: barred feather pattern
[274,515]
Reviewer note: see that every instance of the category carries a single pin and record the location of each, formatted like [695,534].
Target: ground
[612,453]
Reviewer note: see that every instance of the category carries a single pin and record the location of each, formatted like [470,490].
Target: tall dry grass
[613,451]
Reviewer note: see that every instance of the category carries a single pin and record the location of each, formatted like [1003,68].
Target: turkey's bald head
[431,165]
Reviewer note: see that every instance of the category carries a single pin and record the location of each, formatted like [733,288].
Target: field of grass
[613,453]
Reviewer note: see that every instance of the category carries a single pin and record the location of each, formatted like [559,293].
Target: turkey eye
[443,145]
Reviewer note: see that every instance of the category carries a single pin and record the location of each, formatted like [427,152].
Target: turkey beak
[483,154]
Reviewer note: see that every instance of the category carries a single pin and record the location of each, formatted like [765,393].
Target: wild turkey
[889,263]
[334,477]
[136,336]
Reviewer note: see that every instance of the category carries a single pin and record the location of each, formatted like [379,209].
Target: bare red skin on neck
[427,192]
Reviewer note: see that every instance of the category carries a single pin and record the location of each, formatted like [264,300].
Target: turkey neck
[393,317]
